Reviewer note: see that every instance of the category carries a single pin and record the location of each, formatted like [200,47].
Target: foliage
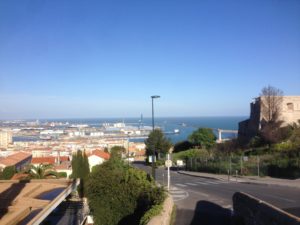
[80,165]
[41,171]
[80,169]
[271,102]
[229,146]
[62,174]
[154,211]
[8,172]
[158,143]
[271,132]
[182,146]
[203,137]
[256,141]
[284,146]
[120,194]
[192,153]
[117,151]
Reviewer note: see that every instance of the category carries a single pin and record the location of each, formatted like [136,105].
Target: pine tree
[80,169]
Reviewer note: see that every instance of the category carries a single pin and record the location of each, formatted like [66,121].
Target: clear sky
[93,58]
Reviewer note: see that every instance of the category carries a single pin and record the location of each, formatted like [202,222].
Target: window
[290,106]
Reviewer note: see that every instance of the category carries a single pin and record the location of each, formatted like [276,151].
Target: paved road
[208,201]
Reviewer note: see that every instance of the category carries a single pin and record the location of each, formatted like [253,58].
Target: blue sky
[70,58]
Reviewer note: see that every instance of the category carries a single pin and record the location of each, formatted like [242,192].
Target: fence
[264,165]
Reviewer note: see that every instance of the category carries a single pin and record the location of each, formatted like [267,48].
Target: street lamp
[153,150]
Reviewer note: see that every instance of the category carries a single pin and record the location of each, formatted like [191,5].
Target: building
[5,138]
[20,160]
[289,113]
[97,157]
[52,160]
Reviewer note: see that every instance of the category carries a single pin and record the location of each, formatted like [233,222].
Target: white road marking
[192,184]
[199,193]
[178,194]
[181,185]
[212,182]
[201,183]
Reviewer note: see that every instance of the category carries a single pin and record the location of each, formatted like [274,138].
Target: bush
[192,153]
[182,146]
[120,194]
[62,174]
[8,172]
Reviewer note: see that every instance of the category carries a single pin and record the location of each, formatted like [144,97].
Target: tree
[182,146]
[80,165]
[120,194]
[157,143]
[203,137]
[8,172]
[41,171]
[117,151]
[80,169]
[271,100]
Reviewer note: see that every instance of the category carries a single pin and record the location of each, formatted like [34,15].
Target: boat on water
[175,131]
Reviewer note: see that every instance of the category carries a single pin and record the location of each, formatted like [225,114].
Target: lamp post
[153,150]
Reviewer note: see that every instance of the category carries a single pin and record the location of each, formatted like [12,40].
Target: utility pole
[153,126]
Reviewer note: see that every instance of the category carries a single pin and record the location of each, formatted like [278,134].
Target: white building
[5,138]
[97,157]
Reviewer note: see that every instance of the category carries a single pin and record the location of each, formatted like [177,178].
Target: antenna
[141,122]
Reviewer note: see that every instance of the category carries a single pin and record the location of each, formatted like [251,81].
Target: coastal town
[55,142]
[149,112]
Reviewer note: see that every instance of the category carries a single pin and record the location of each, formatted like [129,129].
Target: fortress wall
[290,109]
[290,113]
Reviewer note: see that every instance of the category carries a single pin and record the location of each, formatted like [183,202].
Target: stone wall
[289,114]
[249,210]
[290,110]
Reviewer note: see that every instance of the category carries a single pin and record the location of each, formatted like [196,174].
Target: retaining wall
[249,210]
[164,218]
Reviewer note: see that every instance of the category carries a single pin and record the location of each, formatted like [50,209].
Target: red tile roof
[101,154]
[48,159]
[15,158]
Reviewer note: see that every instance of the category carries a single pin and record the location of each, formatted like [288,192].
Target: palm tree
[41,171]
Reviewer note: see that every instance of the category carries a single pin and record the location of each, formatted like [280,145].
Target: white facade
[96,134]
[5,138]
[95,160]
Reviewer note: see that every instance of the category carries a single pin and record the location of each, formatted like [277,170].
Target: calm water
[186,125]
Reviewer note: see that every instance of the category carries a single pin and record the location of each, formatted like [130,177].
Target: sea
[185,125]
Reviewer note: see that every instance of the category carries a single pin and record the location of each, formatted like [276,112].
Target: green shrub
[62,174]
[120,194]
[8,172]
[154,211]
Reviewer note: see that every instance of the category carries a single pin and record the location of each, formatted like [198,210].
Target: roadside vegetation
[274,151]
[121,194]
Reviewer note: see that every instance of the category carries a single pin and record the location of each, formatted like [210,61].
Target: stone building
[289,113]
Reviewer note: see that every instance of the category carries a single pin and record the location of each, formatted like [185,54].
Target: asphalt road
[206,201]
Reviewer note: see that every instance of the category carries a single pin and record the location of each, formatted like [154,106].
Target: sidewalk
[247,179]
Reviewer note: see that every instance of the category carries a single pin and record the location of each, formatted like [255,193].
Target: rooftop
[14,159]
[26,200]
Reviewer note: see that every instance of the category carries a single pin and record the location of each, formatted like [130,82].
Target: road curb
[241,181]
[194,175]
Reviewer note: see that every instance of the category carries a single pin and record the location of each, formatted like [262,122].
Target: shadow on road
[205,213]
[9,195]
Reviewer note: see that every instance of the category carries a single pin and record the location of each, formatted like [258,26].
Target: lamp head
[155,96]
